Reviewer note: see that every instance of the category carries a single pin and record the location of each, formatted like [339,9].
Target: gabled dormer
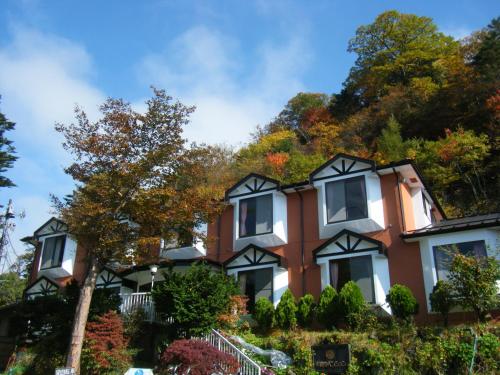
[57,249]
[349,196]
[260,212]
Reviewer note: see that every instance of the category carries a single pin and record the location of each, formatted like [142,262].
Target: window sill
[262,240]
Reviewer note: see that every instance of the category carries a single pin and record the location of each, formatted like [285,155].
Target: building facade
[352,220]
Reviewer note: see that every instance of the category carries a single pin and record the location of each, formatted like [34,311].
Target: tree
[264,313]
[395,48]
[352,304]
[327,307]
[390,143]
[195,299]
[474,282]
[136,183]
[487,59]
[7,151]
[11,288]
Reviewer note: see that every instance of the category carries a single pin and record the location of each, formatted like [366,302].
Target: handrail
[247,365]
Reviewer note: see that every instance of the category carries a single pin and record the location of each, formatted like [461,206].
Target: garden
[201,299]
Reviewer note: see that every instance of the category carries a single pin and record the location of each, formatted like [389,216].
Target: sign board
[331,359]
[65,371]
[139,371]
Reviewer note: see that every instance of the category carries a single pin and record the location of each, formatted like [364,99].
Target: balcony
[134,302]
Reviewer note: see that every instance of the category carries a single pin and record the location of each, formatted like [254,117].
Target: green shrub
[474,282]
[326,310]
[488,353]
[442,300]
[402,302]
[285,314]
[351,304]
[264,313]
[305,310]
[194,299]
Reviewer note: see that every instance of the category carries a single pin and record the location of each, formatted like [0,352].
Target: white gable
[107,279]
[252,185]
[341,166]
[348,242]
[41,287]
[53,226]
[252,257]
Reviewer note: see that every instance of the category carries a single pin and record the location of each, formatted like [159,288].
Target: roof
[166,263]
[456,225]
[255,188]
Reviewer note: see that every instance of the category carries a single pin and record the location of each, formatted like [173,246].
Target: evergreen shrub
[352,304]
[264,313]
[285,314]
[326,309]
[306,310]
[402,302]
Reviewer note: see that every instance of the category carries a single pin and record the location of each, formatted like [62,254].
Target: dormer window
[260,212]
[349,196]
[346,200]
[53,252]
[256,215]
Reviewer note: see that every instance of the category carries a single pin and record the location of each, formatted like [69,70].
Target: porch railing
[140,301]
[247,365]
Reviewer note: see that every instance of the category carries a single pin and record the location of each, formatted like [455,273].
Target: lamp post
[154,269]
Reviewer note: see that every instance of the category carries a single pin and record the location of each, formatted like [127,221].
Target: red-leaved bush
[105,346]
[196,357]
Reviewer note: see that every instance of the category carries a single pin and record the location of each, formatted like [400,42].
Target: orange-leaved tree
[136,182]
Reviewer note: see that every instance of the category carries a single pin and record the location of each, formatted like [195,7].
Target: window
[346,200]
[256,284]
[358,269]
[427,206]
[443,255]
[53,251]
[256,215]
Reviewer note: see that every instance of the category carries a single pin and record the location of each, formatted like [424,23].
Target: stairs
[247,366]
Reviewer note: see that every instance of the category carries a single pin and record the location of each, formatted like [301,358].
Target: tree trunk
[81,315]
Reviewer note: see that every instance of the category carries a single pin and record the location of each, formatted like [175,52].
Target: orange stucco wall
[405,265]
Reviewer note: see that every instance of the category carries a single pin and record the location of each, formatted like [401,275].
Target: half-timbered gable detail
[348,242]
[40,288]
[342,165]
[51,227]
[251,185]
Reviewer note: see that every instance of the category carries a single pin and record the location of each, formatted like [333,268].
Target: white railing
[247,366]
[139,301]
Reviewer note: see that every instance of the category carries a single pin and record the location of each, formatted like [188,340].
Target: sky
[238,62]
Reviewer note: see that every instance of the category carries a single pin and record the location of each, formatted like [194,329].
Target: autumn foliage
[105,346]
[196,357]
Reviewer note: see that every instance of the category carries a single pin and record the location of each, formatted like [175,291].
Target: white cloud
[42,77]
[233,89]
[457,32]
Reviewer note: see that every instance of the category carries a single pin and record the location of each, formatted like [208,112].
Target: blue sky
[237,61]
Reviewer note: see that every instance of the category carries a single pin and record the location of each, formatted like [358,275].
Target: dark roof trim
[252,175]
[378,245]
[167,263]
[451,228]
[279,259]
[338,156]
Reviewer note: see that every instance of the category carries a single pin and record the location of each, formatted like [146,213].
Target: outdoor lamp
[153,268]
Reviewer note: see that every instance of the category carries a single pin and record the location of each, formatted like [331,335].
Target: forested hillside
[412,93]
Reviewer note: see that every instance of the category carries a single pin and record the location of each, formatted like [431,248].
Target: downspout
[401,207]
[218,238]
[302,250]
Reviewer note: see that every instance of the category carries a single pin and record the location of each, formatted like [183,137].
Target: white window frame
[375,220]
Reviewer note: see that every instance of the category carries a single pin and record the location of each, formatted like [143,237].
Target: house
[351,220]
